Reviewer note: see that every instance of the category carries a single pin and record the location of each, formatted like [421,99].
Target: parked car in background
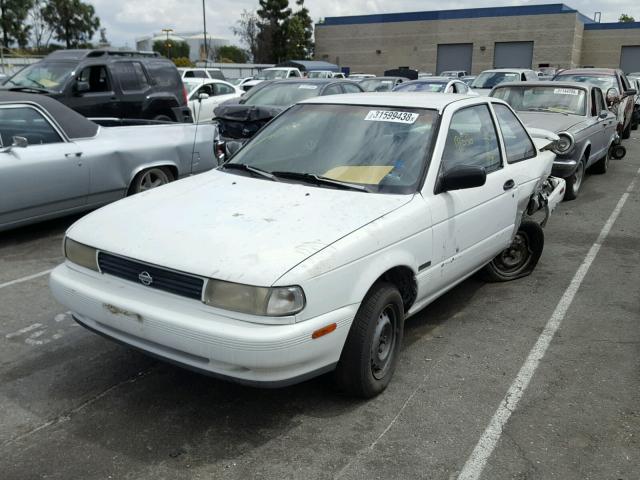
[324,74]
[306,252]
[454,73]
[435,85]
[381,84]
[104,83]
[239,82]
[356,77]
[577,113]
[490,78]
[55,162]
[206,94]
[619,95]
[425,74]
[274,73]
[239,121]
[214,73]
[468,79]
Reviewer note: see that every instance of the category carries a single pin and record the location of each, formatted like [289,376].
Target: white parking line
[25,279]
[484,448]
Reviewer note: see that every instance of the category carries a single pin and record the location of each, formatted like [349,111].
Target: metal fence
[10,64]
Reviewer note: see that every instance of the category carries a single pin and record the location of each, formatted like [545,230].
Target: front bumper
[563,168]
[191,334]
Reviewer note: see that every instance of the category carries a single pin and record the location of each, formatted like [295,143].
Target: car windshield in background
[283,94]
[491,79]
[376,85]
[271,74]
[605,82]
[421,87]
[43,75]
[383,149]
[318,75]
[547,99]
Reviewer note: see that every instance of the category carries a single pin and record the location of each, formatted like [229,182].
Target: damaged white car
[306,252]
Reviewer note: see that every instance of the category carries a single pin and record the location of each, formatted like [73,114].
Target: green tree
[13,15]
[624,18]
[298,30]
[231,54]
[171,48]
[248,29]
[272,37]
[72,21]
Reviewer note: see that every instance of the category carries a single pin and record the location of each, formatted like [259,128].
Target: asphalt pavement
[74,405]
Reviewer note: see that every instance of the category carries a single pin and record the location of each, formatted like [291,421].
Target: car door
[222,92]
[92,93]
[471,226]
[607,123]
[134,85]
[597,125]
[45,177]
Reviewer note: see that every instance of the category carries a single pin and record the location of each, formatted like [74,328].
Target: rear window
[217,74]
[130,75]
[164,74]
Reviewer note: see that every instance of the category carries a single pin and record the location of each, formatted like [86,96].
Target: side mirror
[203,96]
[631,91]
[81,87]
[17,142]
[603,114]
[613,96]
[462,177]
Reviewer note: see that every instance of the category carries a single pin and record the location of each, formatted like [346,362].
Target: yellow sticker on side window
[365,174]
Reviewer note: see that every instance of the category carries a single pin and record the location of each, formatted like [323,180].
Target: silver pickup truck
[55,162]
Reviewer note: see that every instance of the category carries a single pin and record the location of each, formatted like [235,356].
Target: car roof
[387,78]
[435,101]
[588,71]
[518,70]
[432,79]
[202,81]
[310,81]
[546,83]
[74,125]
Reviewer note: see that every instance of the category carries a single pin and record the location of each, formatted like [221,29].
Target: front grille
[157,277]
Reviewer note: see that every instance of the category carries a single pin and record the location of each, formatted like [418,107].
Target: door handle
[508,185]
[74,154]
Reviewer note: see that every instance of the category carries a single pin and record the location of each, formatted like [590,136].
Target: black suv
[108,84]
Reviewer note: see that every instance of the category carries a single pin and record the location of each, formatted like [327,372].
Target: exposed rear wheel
[520,258]
[370,354]
[150,178]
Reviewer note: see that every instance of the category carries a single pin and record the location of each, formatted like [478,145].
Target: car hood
[231,227]
[554,122]
[484,92]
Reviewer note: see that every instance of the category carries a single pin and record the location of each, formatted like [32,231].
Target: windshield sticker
[391,116]
[308,87]
[364,174]
[566,91]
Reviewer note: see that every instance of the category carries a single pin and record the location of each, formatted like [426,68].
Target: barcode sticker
[566,91]
[391,116]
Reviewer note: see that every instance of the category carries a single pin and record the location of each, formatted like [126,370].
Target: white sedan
[204,95]
[306,252]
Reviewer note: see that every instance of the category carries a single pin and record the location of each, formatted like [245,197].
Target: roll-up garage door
[513,55]
[630,59]
[454,56]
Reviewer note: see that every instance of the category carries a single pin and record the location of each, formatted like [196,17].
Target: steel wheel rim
[384,342]
[578,177]
[516,257]
[153,179]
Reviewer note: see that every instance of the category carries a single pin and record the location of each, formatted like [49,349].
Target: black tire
[602,165]
[150,178]
[626,133]
[520,258]
[163,118]
[371,352]
[574,182]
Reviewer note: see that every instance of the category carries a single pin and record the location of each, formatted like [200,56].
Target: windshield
[551,99]
[605,82]
[45,75]
[491,79]
[421,87]
[318,75]
[384,149]
[283,94]
[272,74]
[377,85]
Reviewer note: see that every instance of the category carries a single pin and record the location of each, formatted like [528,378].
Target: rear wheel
[150,178]
[163,118]
[574,182]
[520,258]
[370,354]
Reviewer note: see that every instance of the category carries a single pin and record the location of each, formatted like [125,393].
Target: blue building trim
[547,9]
[612,26]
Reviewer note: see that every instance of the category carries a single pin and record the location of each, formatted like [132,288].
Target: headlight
[273,302]
[80,254]
[564,144]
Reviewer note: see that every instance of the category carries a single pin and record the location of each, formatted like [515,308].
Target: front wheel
[370,354]
[574,182]
[520,258]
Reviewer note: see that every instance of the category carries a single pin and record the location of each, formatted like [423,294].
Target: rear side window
[164,74]
[195,74]
[130,75]
[516,141]
[217,74]
[222,89]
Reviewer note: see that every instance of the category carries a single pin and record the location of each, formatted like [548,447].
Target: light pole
[204,23]
[167,43]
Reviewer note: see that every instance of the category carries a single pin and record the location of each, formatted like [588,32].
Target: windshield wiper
[546,109]
[29,89]
[248,168]
[320,180]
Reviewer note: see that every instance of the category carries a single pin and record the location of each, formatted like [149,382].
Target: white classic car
[306,252]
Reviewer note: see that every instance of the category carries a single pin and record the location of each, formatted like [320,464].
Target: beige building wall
[602,48]
[557,41]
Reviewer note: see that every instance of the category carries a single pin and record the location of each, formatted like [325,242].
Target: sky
[125,20]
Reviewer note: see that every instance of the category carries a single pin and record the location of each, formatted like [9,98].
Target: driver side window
[28,123]
[96,77]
